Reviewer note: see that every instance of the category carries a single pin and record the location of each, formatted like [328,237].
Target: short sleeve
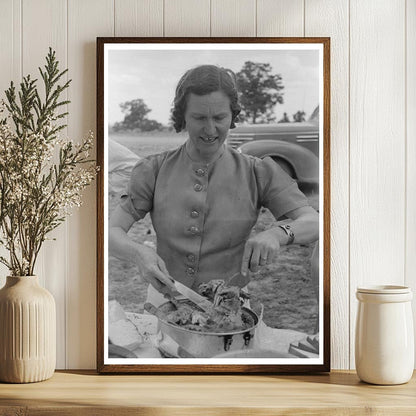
[138,200]
[277,190]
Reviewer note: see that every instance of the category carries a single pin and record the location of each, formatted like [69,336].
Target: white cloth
[120,164]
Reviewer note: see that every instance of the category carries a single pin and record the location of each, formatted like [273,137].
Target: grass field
[284,288]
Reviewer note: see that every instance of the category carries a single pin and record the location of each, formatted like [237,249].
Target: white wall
[373,132]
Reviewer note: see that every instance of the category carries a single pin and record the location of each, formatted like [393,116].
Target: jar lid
[384,289]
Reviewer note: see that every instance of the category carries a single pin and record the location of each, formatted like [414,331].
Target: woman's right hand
[153,269]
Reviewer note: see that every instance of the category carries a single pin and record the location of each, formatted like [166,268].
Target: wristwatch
[286,228]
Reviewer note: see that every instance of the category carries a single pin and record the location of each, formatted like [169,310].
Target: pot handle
[247,337]
[228,340]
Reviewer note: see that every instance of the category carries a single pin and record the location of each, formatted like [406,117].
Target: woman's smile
[208,119]
[209,140]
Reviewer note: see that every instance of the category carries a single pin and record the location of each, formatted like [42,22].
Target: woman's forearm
[151,268]
[305,229]
[262,248]
[122,246]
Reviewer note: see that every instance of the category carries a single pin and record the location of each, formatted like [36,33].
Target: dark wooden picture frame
[247,365]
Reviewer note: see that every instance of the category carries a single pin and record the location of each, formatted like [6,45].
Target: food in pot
[226,315]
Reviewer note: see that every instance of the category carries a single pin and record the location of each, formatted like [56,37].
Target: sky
[153,75]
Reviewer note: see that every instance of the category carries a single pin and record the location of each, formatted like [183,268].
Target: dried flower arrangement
[41,175]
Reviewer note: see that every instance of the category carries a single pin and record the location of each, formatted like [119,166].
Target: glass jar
[384,337]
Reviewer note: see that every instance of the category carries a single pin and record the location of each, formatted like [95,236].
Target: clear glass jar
[384,337]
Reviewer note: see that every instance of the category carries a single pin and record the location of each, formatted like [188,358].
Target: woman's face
[208,119]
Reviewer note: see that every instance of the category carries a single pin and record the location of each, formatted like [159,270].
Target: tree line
[260,91]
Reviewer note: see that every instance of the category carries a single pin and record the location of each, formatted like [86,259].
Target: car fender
[305,164]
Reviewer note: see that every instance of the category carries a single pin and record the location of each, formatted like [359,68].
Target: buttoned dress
[203,213]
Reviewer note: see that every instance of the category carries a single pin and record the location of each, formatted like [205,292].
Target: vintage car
[295,146]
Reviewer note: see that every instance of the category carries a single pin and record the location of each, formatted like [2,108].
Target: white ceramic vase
[384,340]
[27,331]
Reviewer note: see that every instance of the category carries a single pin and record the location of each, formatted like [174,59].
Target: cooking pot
[208,344]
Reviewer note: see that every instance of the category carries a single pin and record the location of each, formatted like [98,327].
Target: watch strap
[288,230]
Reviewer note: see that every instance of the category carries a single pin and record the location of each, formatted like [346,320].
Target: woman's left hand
[260,250]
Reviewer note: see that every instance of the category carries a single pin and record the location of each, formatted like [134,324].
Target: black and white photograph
[213,190]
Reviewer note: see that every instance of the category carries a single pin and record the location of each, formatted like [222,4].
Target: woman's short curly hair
[201,80]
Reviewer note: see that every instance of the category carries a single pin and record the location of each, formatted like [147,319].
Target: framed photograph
[213,205]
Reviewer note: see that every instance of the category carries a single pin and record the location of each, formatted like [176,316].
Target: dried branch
[37,194]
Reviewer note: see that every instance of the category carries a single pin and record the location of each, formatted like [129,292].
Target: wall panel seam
[65,346]
[405,146]
[163,18]
[349,185]
[21,40]
[210,18]
[304,17]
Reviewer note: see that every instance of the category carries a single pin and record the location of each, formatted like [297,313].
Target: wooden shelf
[86,393]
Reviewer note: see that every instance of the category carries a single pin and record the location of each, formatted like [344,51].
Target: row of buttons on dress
[199,172]
[198,188]
[191,258]
[195,214]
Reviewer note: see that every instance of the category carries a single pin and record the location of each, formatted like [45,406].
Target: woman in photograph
[205,197]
